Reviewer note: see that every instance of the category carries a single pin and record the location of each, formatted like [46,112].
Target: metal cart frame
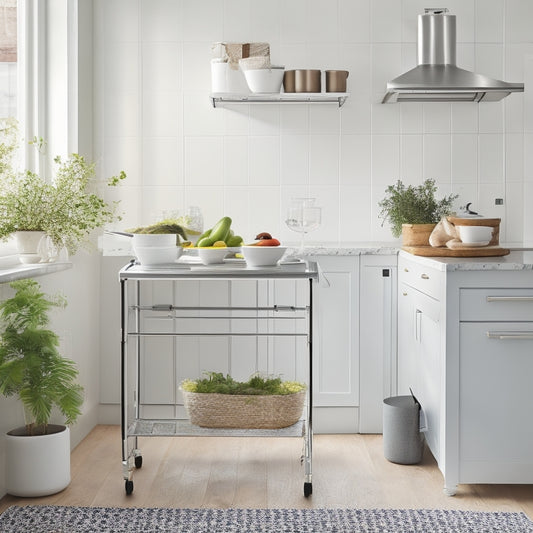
[132,429]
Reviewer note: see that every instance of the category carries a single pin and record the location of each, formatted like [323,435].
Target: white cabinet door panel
[336,323]
[377,310]
[495,393]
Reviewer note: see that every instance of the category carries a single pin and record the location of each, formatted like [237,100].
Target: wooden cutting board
[443,251]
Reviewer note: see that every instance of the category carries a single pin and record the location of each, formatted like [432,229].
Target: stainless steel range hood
[437,78]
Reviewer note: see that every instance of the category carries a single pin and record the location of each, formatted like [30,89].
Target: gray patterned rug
[55,519]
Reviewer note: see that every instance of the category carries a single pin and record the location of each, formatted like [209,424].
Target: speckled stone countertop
[347,248]
[19,271]
[516,260]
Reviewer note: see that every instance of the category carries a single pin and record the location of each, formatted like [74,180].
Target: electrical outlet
[498,201]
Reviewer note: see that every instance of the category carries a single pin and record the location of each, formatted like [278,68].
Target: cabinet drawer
[496,426]
[496,304]
[424,279]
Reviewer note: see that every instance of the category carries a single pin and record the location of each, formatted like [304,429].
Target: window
[8,58]
[9,86]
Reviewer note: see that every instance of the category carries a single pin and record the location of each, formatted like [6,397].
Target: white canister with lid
[219,68]
[225,79]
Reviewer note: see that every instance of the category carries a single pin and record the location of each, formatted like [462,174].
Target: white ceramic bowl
[265,80]
[157,255]
[157,239]
[212,256]
[258,256]
[475,234]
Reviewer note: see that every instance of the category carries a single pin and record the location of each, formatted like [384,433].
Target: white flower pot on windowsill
[28,245]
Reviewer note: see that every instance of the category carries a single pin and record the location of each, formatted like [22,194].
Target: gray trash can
[402,440]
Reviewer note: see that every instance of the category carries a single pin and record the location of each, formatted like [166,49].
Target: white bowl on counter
[476,235]
[157,255]
[212,256]
[262,256]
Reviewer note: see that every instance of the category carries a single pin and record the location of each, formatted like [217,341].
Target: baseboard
[335,420]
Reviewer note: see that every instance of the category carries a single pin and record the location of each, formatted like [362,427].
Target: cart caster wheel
[308,489]
[128,486]
[138,461]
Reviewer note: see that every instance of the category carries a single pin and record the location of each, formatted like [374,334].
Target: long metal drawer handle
[509,298]
[502,335]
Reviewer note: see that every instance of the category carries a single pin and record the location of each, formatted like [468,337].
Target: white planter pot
[38,465]
[28,245]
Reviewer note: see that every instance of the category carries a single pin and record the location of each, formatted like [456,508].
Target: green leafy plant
[216,382]
[31,366]
[413,205]
[68,207]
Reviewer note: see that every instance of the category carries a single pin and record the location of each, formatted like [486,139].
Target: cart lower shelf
[171,428]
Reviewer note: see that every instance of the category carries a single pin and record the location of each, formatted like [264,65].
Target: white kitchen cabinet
[465,345]
[337,332]
[377,319]
[496,365]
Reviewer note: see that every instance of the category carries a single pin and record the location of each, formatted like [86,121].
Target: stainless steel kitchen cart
[132,424]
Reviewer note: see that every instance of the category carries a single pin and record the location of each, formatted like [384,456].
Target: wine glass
[303,216]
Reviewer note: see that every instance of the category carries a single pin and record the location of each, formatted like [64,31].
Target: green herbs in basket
[216,382]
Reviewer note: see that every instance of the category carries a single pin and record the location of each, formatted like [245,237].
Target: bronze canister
[336,81]
[288,81]
[307,81]
[302,81]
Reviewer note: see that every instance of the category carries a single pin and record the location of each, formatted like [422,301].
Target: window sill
[19,271]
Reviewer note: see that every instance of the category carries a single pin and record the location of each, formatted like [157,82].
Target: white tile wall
[153,116]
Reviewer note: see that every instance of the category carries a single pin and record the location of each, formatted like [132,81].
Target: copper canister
[302,81]
[288,81]
[307,81]
[336,81]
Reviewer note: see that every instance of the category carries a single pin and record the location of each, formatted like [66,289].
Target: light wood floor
[348,471]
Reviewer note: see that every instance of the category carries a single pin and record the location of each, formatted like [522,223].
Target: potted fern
[413,211]
[66,208]
[33,370]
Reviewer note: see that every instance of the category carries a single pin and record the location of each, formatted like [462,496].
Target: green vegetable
[204,234]
[216,382]
[234,240]
[220,230]
[206,241]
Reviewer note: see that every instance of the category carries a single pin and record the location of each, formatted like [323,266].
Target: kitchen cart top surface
[226,270]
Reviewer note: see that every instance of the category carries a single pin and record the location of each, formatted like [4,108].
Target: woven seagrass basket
[243,411]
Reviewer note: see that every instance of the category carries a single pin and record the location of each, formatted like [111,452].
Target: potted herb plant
[219,401]
[66,208]
[32,369]
[413,211]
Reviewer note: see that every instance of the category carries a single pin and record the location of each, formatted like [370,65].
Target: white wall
[154,118]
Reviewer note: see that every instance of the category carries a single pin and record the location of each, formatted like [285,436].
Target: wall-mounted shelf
[220,99]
